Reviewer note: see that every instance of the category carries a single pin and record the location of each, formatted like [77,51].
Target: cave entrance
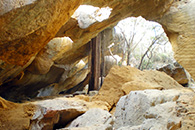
[138,43]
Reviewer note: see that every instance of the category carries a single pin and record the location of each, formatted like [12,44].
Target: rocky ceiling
[28,26]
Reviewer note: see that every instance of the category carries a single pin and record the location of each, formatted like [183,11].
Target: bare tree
[149,49]
[130,43]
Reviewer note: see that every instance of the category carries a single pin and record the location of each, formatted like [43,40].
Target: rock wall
[178,23]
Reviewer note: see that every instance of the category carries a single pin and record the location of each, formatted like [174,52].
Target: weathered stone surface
[28,85]
[177,72]
[46,57]
[55,111]
[44,114]
[25,31]
[122,80]
[8,5]
[58,112]
[96,119]
[152,109]
[59,78]
[178,23]
[110,61]
[9,71]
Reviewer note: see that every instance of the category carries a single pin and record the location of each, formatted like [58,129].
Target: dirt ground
[13,113]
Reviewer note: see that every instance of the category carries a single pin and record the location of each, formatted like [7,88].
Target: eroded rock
[58,112]
[177,72]
[181,35]
[122,80]
[96,119]
[152,109]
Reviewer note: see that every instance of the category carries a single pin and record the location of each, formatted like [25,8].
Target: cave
[47,52]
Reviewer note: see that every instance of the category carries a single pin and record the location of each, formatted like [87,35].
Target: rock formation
[177,72]
[121,80]
[34,60]
[153,109]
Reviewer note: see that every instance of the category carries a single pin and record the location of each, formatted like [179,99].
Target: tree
[129,41]
[140,36]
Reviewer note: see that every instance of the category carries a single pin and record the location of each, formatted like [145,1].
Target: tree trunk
[103,46]
[95,64]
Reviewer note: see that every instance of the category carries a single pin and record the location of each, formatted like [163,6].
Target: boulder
[26,27]
[153,109]
[122,80]
[47,114]
[58,112]
[177,72]
[60,78]
[96,119]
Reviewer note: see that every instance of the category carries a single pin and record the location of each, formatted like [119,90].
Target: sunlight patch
[87,15]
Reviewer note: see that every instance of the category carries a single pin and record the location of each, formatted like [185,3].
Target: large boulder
[58,112]
[122,80]
[177,72]
[154,109]
[96,119]
[60,78]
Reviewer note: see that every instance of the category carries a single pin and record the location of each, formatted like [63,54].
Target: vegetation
[142,44]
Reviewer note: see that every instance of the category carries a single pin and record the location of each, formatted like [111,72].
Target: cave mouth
[124,44]
[143,43]
[134,42]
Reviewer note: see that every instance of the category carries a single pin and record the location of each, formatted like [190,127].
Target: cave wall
[178,23]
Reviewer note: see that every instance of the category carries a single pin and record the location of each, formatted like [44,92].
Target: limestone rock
[91,15]
[9,71]
[46,113]
[96,119]
[151,109]
[61,110]
[120,10]
[135,85]
[7,5]
[58,112]
[122,80]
